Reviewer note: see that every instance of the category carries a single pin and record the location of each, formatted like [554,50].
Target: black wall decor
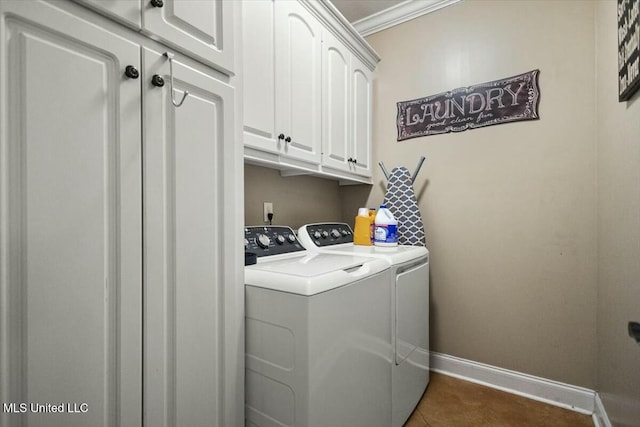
[628,48]
[500,101]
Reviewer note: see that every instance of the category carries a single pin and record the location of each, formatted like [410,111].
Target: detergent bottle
[361,232]
[386,228]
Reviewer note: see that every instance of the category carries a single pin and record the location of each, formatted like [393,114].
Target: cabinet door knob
[131,72]
[281,136]
[350,159]
[157,80]
[287,139]
[157,3]
[355,161]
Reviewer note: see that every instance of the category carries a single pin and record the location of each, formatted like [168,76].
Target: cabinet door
[191,362]
[259,75]
[197,27]
[361,89]
[129,12]
[70,220]
[298,71]
[336,131]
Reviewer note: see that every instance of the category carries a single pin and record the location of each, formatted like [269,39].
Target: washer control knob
[263,241]
[325,234]
[291,238]
[335,233]
[246,243]
[344,233]
[316,234]
[280,239]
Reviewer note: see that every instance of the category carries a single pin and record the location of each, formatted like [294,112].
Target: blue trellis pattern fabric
[401,201]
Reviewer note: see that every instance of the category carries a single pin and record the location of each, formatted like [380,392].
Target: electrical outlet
[268,208]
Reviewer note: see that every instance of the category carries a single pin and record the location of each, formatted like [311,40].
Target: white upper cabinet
[346,109]
[336,100]
[259,104]
[298,41]
[282,68]
[360,117]
[199,28]
[307,90]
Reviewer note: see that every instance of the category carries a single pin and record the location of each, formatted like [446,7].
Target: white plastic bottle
[386,228]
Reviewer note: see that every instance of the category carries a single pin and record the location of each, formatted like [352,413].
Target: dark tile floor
[449,401]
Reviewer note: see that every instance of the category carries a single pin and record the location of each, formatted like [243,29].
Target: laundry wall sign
[500,101]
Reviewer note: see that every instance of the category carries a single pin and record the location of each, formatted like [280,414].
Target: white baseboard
[600,418]
[554,393]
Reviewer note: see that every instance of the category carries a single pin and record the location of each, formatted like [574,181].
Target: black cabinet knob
[350,159]
[131,72]
[281,136]
[157,80]
[287,139]
[355,161]
[157,3]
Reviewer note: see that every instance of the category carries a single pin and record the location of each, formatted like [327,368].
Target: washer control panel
[270,240]
[328,233]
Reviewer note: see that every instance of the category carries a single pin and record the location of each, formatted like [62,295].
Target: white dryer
[318,340]
[409,287]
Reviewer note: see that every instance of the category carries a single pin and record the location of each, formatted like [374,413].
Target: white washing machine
[318,341]
[409,318]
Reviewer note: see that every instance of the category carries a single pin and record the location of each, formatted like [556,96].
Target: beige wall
[297,200]
[510,210]
[618,231]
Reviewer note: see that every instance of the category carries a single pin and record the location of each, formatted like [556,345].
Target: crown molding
[398,14]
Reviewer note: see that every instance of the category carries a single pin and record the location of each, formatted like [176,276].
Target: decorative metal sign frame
[500,101]
[628,48]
